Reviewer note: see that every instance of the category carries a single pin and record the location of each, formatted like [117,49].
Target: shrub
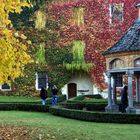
[95,106]
[87,106]
[25,107]
[98,104]
[77,98]
[97,98]
[62,98]
[96,116]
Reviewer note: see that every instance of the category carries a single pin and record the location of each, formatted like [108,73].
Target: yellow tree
[13,52]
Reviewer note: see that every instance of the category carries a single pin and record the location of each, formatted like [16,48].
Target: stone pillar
[137,89]
[115,107]
[130,108]
[114,91]
[108,108]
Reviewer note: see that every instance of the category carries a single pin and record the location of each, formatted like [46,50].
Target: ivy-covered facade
[65,45]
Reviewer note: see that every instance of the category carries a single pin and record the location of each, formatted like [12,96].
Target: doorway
[72,90]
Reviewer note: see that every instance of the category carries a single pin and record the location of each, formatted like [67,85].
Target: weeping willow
[78,16]
[78,62]
[40,54]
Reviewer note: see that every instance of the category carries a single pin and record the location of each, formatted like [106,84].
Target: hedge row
[96,116]
[86,106]
[97,98]
[24,107]
[75,114]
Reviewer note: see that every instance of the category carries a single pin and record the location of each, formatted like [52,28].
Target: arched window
[116,64]
[137,63]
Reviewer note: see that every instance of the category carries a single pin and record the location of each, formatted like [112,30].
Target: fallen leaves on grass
[15,133]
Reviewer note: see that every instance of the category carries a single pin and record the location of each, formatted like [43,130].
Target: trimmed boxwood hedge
[29,106]
[97,98]
[97,104]
[96,116]
[24,107]
[87,106]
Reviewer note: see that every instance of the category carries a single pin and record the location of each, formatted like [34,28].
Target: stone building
[124,59]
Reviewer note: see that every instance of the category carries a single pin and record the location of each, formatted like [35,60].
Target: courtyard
[44,126]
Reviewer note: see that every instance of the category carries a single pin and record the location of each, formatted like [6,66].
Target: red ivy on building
[97,32]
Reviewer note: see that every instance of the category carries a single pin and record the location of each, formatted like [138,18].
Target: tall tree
[41,29]
[13,52]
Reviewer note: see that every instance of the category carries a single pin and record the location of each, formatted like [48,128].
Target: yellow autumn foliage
[13,53]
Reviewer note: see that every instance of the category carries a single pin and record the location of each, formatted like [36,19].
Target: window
[78,16]
[137,63]
[5,87]
[41,80]
[116,12]
[116,64]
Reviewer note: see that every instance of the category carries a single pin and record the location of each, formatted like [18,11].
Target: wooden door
[72,90]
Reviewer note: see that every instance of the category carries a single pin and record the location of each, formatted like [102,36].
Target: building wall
[128,59]
[83,82]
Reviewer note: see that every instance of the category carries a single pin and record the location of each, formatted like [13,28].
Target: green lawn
[18,99]
[52,127]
